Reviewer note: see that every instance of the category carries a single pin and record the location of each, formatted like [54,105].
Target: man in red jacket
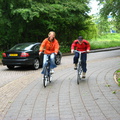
[80,45]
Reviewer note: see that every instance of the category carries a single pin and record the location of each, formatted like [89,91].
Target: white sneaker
[75,67]
[83,75]
[51,71]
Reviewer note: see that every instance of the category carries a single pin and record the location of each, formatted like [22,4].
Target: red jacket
[80,47]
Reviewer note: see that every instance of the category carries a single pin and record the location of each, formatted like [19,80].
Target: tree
[111,7]
[31,20]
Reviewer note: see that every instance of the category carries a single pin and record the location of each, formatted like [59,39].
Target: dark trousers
[83,60]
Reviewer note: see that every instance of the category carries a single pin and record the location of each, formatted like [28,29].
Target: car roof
[29,43]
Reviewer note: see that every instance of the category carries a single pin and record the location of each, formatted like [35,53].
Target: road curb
[97,50]
[114,76]
[106,49]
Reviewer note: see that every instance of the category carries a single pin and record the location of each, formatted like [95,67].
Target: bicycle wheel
[49,78]
[45,77]
[79,72]
[49,75]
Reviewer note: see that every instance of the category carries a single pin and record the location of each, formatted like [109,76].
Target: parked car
[26,54]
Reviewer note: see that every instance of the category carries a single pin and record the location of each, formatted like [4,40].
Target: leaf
[107,85]
[114,92]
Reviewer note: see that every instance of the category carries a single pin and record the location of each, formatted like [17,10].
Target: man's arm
[72,46]
[88,47]
[42,46]
[56,47]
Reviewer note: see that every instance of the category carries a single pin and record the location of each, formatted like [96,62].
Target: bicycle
[47,74]
[79,66]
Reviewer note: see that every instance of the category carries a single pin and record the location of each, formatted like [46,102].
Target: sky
[94,7]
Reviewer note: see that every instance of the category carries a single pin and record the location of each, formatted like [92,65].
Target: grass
[117,71]
[104,44]
[106,41]
[118,76]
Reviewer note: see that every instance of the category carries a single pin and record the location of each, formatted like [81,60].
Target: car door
[36,52]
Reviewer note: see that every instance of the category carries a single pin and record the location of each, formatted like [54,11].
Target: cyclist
[81,45]
[50,46]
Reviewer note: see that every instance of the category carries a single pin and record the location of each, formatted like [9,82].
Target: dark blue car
[26,54]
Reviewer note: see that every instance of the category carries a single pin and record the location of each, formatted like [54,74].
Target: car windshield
[25,46]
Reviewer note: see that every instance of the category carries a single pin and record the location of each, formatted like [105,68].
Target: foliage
[31,20]
[1,54]
[106,41]
[111,7]
[91,31]
[103,26]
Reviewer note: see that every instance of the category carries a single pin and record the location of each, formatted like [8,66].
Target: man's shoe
[75,67]
[51,71]
[83,75]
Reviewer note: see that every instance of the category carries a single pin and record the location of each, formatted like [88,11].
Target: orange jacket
[49,46]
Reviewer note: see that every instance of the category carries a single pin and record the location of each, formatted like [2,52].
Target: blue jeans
[83,60]
[52,61]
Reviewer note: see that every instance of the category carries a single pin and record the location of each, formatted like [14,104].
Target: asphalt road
[23,96]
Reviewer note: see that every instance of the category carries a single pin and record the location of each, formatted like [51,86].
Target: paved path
[25,98]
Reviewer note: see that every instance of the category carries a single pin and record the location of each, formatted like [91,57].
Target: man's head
[51,34]
[80,38]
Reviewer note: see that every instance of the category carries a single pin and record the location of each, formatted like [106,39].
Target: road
[23,97]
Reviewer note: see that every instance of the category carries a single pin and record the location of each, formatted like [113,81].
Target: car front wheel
[10,67]
[36,64]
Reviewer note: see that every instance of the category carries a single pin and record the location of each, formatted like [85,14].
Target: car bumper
[18,62]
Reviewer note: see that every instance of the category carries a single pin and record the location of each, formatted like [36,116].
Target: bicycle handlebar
[79,51]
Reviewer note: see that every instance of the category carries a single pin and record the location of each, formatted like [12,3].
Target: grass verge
[103,44]
[106,41]
[118,76]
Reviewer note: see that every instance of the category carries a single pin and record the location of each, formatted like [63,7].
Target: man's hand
[88,51]
[72,51]
[40,53]
[55,53]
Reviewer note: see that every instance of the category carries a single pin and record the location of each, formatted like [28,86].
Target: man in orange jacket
[50,46]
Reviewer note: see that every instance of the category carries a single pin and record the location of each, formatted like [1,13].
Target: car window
[36,48]
[26,46]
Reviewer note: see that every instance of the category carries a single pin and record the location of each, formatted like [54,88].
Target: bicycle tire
[49,74]
[79,72]
[49,78]
[45,77]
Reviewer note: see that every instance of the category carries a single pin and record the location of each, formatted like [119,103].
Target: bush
[1,54]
